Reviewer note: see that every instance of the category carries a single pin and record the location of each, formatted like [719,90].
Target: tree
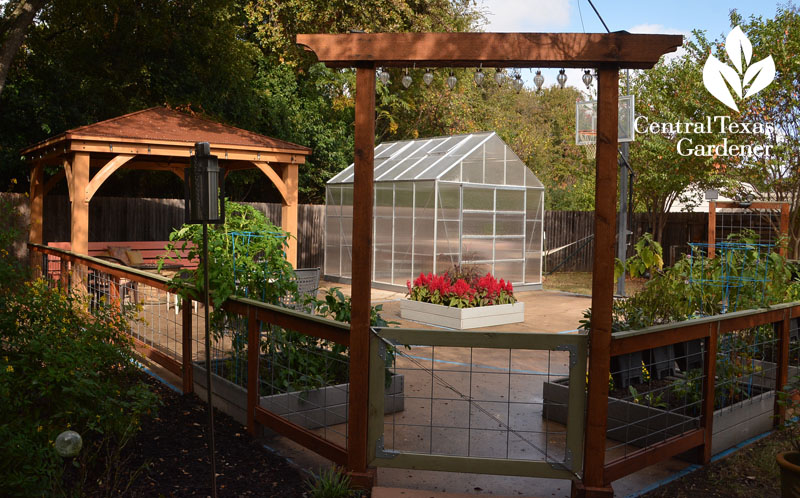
[17,16]
[671,92]
[778,175]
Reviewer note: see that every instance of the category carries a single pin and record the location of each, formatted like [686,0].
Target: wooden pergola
[156,139]
[608,53]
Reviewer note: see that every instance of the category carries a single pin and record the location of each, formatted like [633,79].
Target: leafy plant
[331,483]
[648,259]
[65,369]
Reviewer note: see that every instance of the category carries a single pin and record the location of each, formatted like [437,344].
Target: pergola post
[605,203]
[363,195]
[79,221]
[289,174]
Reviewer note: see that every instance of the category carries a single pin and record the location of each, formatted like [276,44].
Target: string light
[538,80]
[407,79]
[562,78]
[451,80]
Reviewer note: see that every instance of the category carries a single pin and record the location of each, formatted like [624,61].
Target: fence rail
[729,369]
[486,402]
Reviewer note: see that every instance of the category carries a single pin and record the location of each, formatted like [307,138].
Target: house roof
[162,125]
[481,158]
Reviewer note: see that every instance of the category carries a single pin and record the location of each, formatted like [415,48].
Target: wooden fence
[123,219]
[569,233]
[569,237]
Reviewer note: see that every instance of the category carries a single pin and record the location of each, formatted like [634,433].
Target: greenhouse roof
[471,158]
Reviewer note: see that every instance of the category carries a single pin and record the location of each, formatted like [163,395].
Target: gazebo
[157,139]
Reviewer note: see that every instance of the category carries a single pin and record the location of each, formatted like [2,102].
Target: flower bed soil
[173,446]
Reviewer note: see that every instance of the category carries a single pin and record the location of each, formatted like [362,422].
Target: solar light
[499,77]
[384,76]
[479,76]
[587,78]
[538,80]
[452,80]
[562,78]
[427,78]
[517,83]
[406,80]
[68,444]
[204,185]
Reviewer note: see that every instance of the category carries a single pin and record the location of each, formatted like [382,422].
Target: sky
[643,16]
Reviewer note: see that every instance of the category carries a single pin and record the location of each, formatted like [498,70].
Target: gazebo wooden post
[363,195]
[605,203]
[289,174]
[784,229]
[36,230]
[79,221]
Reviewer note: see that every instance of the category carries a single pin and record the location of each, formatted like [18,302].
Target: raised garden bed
[641,425]
[462,318]
[310,409]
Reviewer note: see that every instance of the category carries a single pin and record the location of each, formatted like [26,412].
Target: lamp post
[205,203]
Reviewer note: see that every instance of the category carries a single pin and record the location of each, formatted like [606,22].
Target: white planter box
[462,318]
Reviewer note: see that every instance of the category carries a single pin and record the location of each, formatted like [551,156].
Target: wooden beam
[784,229]
[602,276]
[105,172]
[276,179]
[709,396]
[124,146]
[653,454]
[67,165]
[363,195]
[581,50]
[289,210]
[752,205]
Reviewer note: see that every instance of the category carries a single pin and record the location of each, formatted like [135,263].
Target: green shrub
[331,483]
[61,368]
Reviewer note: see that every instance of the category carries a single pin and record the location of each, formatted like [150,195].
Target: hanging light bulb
[384,76]
[427,78]
[479,76]
[587,78]
[562,78]
[406,80]
[538,80]
[452,80]
[499,77]
[517,83]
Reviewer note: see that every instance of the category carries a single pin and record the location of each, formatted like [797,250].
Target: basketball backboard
[586,121]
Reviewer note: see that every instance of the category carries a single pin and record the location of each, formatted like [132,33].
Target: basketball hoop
[586,123]
[588,139]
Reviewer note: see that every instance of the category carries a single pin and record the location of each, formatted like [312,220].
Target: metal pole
[208,365]
[622,218]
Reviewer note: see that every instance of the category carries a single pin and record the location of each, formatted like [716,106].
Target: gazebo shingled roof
[160,124]
[154,139]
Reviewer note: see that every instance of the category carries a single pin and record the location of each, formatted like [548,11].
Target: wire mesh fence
[763,223]
[482,401]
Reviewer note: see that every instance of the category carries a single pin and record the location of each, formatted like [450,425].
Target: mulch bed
[172,449]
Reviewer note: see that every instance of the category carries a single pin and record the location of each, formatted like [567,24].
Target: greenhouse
[441,202]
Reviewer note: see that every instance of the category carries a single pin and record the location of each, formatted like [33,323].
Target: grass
[749,472]
[581,283]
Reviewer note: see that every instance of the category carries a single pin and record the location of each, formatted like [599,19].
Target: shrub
[61,368]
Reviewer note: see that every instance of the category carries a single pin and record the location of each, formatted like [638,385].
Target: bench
[150,251]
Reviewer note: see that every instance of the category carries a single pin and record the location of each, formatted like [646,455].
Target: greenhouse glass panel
[510,200]
[439,202]
[509,248]
[424,223]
